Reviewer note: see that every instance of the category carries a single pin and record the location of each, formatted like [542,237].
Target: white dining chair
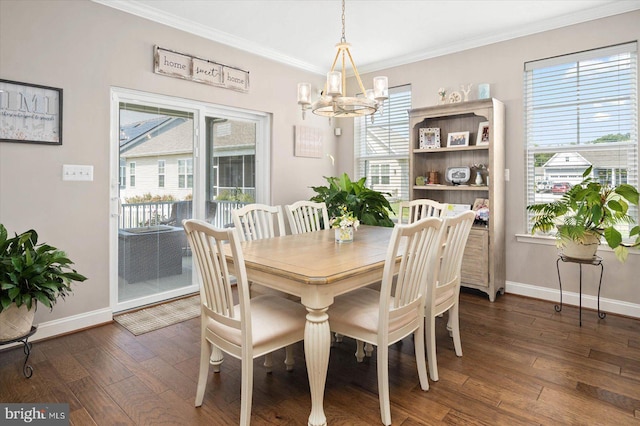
[444,294]
[384,317]
[408,212]
[307,216]
[258,221]
[419,209]
[253,327]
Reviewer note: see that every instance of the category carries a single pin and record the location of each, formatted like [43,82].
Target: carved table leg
[317,343]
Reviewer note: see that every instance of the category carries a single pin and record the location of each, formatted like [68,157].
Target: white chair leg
[368,349]
[268,362]
[455,329]
[421,359]
[216,358]
[383,384]
[288,359]
[203,375]
[246,392]
[359,350]
[430,337]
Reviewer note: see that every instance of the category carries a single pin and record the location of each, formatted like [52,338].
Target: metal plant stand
[595,261]
[27,370]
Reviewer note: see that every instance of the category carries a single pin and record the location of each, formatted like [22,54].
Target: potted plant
[587,212]
[30,273]
[368,206]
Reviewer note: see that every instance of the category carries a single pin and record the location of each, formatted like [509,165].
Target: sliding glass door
[155,193]
[159,179]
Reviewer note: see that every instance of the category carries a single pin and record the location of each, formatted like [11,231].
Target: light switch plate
[77,172]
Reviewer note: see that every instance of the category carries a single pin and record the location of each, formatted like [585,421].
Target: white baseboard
[613,306]
[69,325]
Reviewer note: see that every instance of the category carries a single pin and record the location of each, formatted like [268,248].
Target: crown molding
[147,12]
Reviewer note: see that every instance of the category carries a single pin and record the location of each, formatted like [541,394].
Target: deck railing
[173,212]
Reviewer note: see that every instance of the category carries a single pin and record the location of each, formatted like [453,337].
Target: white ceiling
[383,33]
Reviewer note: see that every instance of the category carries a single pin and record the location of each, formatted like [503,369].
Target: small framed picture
[480,203]
[430,138]
[455,139]
[483,133]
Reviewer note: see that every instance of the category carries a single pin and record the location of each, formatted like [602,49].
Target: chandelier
[333,101]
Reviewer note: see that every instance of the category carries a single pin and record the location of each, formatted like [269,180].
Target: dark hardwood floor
[523,364]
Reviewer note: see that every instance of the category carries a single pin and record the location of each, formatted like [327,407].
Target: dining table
[317,268]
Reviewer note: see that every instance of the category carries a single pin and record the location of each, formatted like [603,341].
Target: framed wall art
[483,133]
[430,138]
[456,139]
[30,113]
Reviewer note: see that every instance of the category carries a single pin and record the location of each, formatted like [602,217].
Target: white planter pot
[581,249]
[15,322]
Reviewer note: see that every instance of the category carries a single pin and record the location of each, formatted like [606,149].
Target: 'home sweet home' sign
[189,67]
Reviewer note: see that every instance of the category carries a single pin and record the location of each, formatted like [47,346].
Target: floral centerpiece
[344,225]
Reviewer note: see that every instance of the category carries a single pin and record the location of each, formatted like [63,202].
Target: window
[161,164]
[382,147]
[581,111]
[122,174]
[132,174]
[185,173]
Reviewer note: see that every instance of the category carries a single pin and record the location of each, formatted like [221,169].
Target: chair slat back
[419,209]
[258,221]
[307,216]
[207,244]
[415,245]
[455,234]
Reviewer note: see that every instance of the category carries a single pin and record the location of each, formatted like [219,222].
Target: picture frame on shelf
[457,139]
[480,203]
[30,113]
[483,134]
[430,138]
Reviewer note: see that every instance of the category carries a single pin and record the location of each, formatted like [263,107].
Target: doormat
[160,316]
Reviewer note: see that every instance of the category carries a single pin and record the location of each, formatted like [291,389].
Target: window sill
[549,240]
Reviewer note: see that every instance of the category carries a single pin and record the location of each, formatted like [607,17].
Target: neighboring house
[569,167]
[156,157]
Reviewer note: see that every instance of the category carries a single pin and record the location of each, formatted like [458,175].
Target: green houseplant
[586,213]
[369,206]
[30,273]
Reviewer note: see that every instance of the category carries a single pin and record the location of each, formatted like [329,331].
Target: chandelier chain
[343,39]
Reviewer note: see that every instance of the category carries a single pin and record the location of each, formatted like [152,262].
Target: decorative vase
[15,322]
[478,178]
[344,235]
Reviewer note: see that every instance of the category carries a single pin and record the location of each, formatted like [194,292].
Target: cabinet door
[475,262]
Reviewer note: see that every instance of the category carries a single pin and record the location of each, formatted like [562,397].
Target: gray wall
[86,48]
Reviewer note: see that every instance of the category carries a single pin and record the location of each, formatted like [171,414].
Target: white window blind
[581,111]
[382,147]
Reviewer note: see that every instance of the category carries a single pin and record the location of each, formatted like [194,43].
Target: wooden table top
[315,258]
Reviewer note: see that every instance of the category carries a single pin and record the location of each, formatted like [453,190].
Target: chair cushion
[272,318]
[359,310]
